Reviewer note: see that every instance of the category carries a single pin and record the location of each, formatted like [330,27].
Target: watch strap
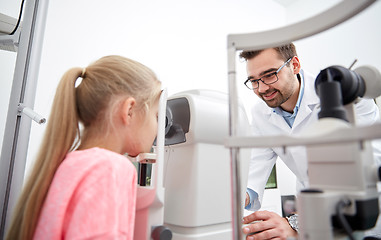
[293,221]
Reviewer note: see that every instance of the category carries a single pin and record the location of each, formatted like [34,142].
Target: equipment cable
[342,220]
[19,20]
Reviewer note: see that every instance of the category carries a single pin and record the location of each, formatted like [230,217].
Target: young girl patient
[81,186]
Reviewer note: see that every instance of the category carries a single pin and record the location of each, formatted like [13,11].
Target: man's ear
[295,64]
[127,110]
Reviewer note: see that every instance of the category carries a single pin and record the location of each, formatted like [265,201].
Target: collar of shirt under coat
[290,117]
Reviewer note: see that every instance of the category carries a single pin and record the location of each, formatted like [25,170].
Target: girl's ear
[127,110]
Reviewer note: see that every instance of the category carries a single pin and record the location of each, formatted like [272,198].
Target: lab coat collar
[310,99]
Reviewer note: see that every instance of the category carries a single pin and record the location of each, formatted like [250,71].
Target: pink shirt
[92,196]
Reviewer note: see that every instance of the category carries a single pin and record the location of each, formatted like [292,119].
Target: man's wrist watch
[293,221]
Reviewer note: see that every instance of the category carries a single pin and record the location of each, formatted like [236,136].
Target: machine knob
[161,233]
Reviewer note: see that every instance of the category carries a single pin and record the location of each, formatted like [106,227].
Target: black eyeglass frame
[250,86]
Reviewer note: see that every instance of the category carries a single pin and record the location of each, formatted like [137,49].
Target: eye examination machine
[188,195]
[337,204]
[197,165]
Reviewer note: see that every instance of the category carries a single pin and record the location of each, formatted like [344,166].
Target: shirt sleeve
[253,199]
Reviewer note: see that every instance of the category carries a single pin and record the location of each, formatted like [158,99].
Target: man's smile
[269,95]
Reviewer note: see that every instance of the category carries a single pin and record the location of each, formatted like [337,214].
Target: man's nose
[262,87]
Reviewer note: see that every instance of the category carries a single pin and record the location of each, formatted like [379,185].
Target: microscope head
[337,86]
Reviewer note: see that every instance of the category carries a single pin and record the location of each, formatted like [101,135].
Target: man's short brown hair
[285,52]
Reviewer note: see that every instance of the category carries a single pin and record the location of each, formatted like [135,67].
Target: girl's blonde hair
[104,82]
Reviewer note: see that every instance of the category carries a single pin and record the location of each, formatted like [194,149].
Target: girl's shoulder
[96,160]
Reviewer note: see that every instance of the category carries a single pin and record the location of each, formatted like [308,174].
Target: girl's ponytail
[61,136]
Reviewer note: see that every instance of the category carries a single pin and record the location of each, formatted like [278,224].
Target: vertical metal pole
[17,130]
[234,152]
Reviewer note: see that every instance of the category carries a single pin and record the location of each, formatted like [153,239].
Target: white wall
[183,42]
[358,38]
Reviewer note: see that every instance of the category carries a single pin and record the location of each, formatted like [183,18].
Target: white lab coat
[267,123]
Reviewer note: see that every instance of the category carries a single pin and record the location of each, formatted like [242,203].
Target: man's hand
[268,225]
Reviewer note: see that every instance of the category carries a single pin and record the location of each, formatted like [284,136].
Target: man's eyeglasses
[267,79]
